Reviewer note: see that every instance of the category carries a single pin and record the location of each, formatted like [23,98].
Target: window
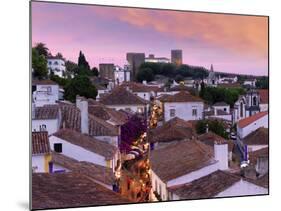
[56,63]
[254,101]
[241,109]
[42,127]
[58,147]
[224,109]
[172,112]
[50,63]
[194,112]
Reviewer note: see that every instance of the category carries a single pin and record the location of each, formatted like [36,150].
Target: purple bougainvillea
[131,131]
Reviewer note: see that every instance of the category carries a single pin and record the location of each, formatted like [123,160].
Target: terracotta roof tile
[120,96]
[264,96]
[205,187]
[71,119]
[43,82]
[258,137]
[87,142]
[96,172]
[63,190]
[249,120]
[254,155]
[211,138]
[47,112]
[40,143]
[139,87]
[174,129]
[221,104]
[180,158]
[182,96]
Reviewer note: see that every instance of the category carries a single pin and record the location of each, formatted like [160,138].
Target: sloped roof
[108,114]
[254,155]
[264,96]
[94,171]
[87,142]
[211,138]
[47,112]
[182,96]
[251,119]
[121,96]
[205,187]
[258,137]
[40,143]
[180,158]
[139,87]
[71,119]
[220,104]
[174,129]
[43,82]
[63,190]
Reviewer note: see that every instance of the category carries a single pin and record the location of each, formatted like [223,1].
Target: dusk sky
[232,43]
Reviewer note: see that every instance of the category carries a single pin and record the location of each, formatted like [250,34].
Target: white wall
[134,108]
[194,175]
[242,188]
[113,140]
[184,110]
[52,125]
[225,117]
[38,162]
[77,152]
[45,94]
[243,132]
[227,108]
[252,148]
[160,185]
[59,68]
[264,107]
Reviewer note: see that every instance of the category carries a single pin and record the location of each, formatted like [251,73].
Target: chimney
[82,105]
[215,111]
[207,128]
[144,82]
[221,155]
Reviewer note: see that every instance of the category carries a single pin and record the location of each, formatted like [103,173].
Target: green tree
[82,62]
[95,71]
[42,49]
[59,55]
[79,85]
[179,78]
[262,83]
[39,64]
[215,126]
[145,74]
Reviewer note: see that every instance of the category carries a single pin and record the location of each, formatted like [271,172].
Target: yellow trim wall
[47,159]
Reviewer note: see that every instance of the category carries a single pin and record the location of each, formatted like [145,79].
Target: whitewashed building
[184,162]
[56,65]
[219,110]
[121,74]
[82,147]
[264,99]
[41,152]
[99,174]
[122,98]
[250,124]
[246,105]
[182,105]
[216,185]
[45,92]
[46,118]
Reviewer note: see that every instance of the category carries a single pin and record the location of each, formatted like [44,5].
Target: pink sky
[232,43]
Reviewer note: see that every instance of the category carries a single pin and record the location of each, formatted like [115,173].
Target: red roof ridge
[248,120]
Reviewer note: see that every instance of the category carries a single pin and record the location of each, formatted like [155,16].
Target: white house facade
[57,66]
